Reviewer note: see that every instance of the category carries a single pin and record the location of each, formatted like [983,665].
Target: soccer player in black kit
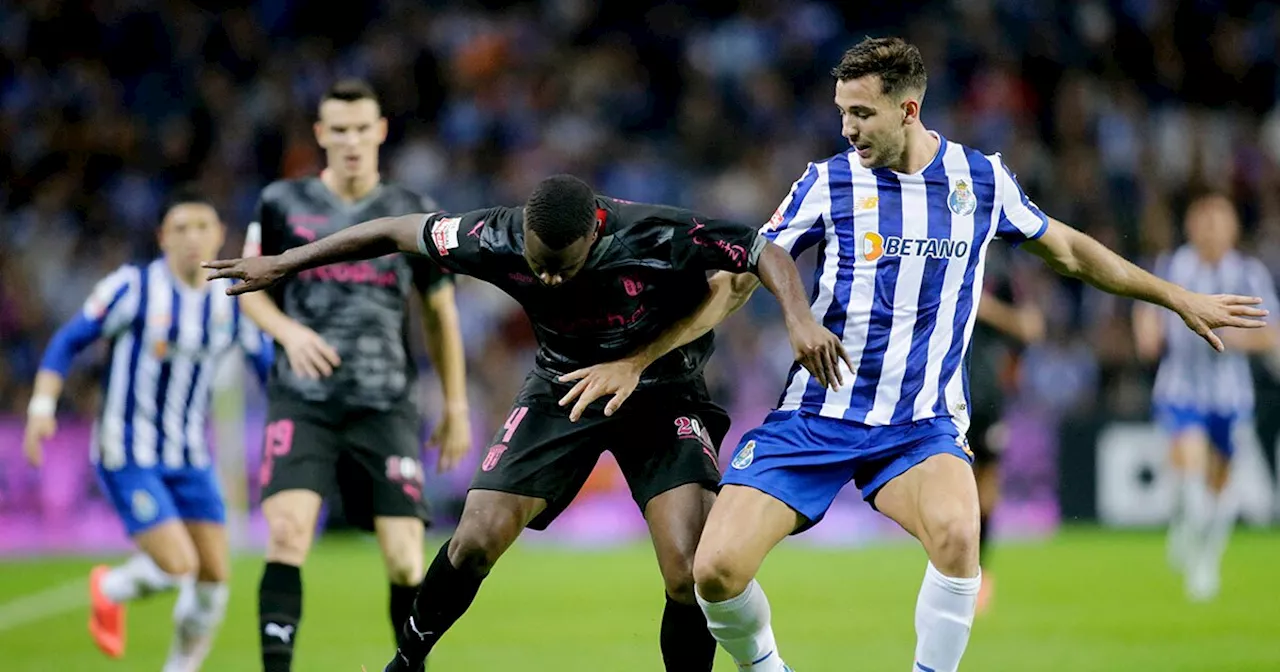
[342,420]
[599,279]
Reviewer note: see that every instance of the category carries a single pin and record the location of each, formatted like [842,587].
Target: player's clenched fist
[820,351]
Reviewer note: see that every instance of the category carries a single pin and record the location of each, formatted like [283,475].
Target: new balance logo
[283,633]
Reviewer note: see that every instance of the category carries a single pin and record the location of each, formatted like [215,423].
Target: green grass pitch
[1086,600]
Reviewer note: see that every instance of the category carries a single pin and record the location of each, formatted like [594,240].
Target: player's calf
[291,520]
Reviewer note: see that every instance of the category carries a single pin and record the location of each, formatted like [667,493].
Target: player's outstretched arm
[1074,254]
[367,240]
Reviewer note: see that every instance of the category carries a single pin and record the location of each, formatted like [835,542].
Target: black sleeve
[453,241]
[427,275]
[708,244]
[270,219]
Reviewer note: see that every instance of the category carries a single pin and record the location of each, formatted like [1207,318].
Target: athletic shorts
[984,439]
[147,496]
[804,459]
[1219,427]
[662,437]
[371,459]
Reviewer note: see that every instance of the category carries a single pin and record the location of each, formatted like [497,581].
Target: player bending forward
[168,330]
[599,279]
[905,218]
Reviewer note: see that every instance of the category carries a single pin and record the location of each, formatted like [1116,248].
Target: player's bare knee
[177,562]
[476,548]
[953,544]
[289,538]
[404,565]
[717,577]
[677,577]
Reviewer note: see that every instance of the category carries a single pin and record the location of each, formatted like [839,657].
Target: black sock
[279,610]
[401,605]
[446,593]
[687,644]
[984,534]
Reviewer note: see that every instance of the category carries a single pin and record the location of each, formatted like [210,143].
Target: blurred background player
[342,418]
[599,277]
[168,329]
[1201,397]
[1004,326]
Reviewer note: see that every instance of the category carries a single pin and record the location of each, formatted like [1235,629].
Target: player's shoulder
[415,200]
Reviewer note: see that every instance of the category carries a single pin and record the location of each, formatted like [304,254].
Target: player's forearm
[1148,336]
[729,292]
[1250,340]
[444,346]
[367,240]
[778,273]
[1093,263]
[999,315]
[267,315]
[45,393]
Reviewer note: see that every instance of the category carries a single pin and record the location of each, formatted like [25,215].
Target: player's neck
[189,277]
[351,188]
[922,147]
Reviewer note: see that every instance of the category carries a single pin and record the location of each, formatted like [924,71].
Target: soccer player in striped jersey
[1201,396]
[903,220]
[168,329]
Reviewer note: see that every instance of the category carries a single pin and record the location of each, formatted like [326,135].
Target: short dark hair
[897,62]
[187,195]
[351,90]
[561,210]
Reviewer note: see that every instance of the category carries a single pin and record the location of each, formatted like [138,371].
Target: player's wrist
[42,406]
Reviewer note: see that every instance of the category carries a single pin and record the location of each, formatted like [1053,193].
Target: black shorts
[369,458]
[662,438]
[985,438]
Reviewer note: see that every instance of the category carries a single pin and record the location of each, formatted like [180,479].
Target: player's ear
[910,111]
[382,130]
[318,128]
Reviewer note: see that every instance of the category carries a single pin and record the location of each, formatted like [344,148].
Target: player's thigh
[491,522]
[936,500]
[539,454]
[212,550]
[743,527]
[676,519]
[381,473]
[170,546]
[150,517]
[400,539]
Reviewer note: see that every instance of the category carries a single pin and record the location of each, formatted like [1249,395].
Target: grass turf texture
[1086,600]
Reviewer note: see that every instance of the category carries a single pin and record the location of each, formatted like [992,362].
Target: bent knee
[677,578]
[476,548]
[404,564]
[718,577]
[953,544]
[177,562]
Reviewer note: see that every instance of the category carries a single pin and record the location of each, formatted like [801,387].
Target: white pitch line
[44,604]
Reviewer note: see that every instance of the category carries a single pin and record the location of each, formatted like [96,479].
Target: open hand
[1205,312]
[255,273]
[618,378]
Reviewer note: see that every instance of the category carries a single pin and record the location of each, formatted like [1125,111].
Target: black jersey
[647,270]
[359,308]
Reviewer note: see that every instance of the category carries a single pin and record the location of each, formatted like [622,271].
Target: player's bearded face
[190,235]
[350,133]
[874,123]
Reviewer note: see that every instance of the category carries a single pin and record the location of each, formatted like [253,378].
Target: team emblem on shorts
[962,201]
[495,454]
[144,506]
[746,456]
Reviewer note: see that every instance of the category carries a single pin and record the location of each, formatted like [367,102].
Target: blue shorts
[147,496]
[804,459]
[1219,427]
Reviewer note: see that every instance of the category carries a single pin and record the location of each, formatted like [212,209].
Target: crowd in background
[1109,111]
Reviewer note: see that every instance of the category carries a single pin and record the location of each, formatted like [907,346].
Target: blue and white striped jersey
[899,276]
[1192,375]
[166,339]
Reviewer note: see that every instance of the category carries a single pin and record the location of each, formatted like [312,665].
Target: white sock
[1197,507]
[196,617]
[1222,521]
[137,577]
[741,625]
[944,614]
